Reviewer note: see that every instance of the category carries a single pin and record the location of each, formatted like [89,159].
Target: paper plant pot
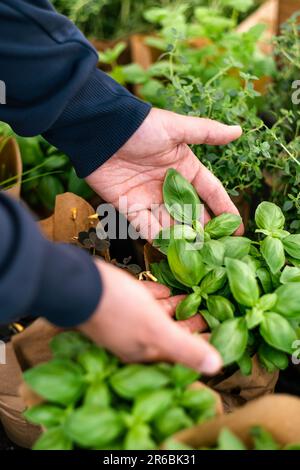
[11,165]
[278,414]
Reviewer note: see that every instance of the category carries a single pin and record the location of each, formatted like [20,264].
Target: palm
[138,169]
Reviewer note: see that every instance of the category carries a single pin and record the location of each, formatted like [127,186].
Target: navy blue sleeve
[58,282]
[54,88]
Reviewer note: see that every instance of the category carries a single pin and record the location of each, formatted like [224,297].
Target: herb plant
[248,291]
[92,401]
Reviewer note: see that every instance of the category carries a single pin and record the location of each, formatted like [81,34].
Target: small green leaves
[292,245]
[223,225]
[288,300]
[269,217]
[278,332]
[151,404]
[267,302]
[271,358]
[228,441]
[59,381]
[139,438]
[212,253]
[230,339]
[273,253]
[242,282]
[69,344]
[171,421]
[236,247]
[181,198]
[265,279]
[254,317]
[263,440]
[188,307]
[220,307]
[53,439]
[213,281]
[162,240]
[185,262]
[245,364]
[290,274]
[211,321]
[45,415]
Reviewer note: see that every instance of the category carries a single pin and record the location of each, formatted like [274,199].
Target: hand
[138,169]
[134,321]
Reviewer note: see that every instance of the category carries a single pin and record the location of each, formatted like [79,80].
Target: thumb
[182,347]
[193,130]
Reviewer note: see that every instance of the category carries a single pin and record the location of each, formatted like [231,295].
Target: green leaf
[288,300]
[31,151]
[188,307]
[230,339]
[139,438]
[79,186]
[53,439]
[212,253]
[223,225]
[245,364]
[165,276]
[180,198]
[271,358]
[69,345]
[242,282]
[97,395]
[268,216]
[198,400]
[55,162]
[292,245]
[273,253]
[220,308]
[183,376]
[265,279]
[151,404]
[290,274]
[278,332]
[90,426]
[262,439]
[213,281]
[267,302]
[48,188]
[254,317]
[173,420]
[162,240]
[228,441]
[134,379]
[211,321]
[95,362]
[45,415]
[59,381]
[185,262]
[236,247]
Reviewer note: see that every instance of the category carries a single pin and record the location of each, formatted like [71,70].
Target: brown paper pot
[11,165]
[278,414]
[286,9]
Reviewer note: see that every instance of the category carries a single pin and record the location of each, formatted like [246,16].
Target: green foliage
[92,401]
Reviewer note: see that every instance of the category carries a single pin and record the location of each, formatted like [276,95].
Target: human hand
[134,321]
[138,169]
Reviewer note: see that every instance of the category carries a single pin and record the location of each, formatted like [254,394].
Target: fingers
[145,223]
[159,291]
[179,346]
[195,324]
[169,305]
[193,130]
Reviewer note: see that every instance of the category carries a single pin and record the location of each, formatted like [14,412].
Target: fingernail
[236,127]
[211,364]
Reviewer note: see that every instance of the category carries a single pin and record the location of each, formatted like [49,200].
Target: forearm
[40,278]
[54,87]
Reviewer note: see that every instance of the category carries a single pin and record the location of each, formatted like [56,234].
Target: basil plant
[247,290]
[92,401]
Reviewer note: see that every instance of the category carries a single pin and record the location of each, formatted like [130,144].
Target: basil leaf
[265,279]
[183,376]
[262,439]
[220,308]
[267,302]
[45,415]
[59,381]
[69,344]
[162,240]
[253,263]
[288,300]
[228,441]
[230,339]
[273,253]
[180,198]
[254,317]
[213,281]
[139,438]
[185,262]
[278,332]
[90,426]
[198,400]
[151,404]
[290,274]
[98,395]
[242,282]
[212,253]
[281,234]
[271,358]
[95,362]
[245,364]
[53,439]
[223,225]
[188,307]
[268,216]
[236,247]
[134,379]
[292,245]
[211,321]
[164,275]
[173,420]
